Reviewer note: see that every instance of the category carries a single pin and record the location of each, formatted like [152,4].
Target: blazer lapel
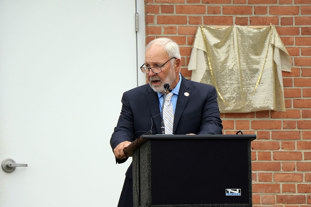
[183,97]
[153,103]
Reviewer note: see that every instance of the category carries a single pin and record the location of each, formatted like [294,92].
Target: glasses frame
[146,69]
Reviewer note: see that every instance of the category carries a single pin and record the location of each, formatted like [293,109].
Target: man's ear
[177,65]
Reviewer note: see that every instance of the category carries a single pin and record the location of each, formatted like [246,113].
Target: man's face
[155,56]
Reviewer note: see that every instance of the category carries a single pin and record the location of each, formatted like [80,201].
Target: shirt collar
[175,91]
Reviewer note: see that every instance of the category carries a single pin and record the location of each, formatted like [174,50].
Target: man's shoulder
[138,90]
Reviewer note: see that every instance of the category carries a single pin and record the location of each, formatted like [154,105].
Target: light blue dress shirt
[175,92]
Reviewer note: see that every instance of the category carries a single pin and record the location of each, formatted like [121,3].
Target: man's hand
[118,151]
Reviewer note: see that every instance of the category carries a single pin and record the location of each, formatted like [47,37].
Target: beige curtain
[245,65]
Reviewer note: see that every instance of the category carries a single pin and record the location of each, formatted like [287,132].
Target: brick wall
[281,155]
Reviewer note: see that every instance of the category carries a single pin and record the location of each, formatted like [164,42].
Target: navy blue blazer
[196,112]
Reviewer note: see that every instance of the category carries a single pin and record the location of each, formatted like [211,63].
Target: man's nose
[150,73]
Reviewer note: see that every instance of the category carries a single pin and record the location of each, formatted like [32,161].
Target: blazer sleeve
[124,129]
[211,122]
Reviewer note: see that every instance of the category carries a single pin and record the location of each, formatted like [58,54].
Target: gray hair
[170,46]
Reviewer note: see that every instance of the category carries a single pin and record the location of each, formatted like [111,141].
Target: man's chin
[158,89]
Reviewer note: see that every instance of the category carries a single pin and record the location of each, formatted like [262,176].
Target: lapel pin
[186,94]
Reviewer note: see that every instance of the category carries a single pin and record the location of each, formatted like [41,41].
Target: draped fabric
[244,64]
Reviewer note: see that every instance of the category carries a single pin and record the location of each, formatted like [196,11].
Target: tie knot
[168,96]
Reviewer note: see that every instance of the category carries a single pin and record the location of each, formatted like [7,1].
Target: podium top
[249,137]
[144,138]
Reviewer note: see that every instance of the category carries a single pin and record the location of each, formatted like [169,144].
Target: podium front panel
[193,172]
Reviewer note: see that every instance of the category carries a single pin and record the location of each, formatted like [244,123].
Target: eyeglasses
[155,69]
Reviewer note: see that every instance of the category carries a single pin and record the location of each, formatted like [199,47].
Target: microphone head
[167,86]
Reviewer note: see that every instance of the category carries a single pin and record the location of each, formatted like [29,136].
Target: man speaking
[168,104]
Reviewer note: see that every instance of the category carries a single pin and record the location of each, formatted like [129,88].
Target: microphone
[166,88]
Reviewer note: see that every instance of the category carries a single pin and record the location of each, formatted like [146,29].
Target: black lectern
[192,170]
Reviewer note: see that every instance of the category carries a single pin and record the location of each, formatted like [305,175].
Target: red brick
[154,30]
[302,2]
[283,10]
[266,124]
[303,166]
[242,124]
[216,1]
[256,199]
[190,9]
[306,134]
[264,156]
[187,30]
[241,20]
[167,9]
[218,20]
[287,82]
[302,103]
[287,40]
[262,114]
[288,114]
[237,10]
[264,20]
[306,51]
[150,19]
[263,135]
[291,199]
[268,199]
[193,1]
[292,92]
[228,124]
[302,82]
[308,177]
[289,124]
[266,188]
[262,1]
[306,113]
[295,72]
[213,9]
[288,145]
[304,188]
[287,155]
[265,177]
[288,188]
[292,51]
[287,177]
[240,115]
[285,1]
[265,145]
[152,9]
[302,20]
[304,41]
[306,30]
[288,166]
[304,145]
[239,2]
[266,166]
[195,20]
[260,10]
[287,20]
[288,30]
[307,155]
[306,72]
[170,30]
[162,19]
[170,1]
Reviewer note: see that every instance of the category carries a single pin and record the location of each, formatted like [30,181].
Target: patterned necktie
[168,114]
